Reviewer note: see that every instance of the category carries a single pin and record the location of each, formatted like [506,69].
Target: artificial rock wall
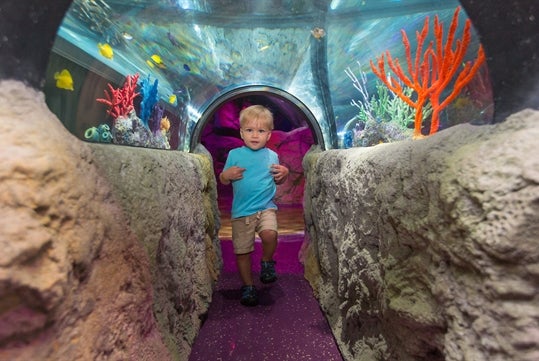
[108,252]
[429,249]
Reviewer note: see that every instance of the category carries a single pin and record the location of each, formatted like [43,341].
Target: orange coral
[431,71]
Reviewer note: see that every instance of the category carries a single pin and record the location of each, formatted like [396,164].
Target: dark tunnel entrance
[295,131]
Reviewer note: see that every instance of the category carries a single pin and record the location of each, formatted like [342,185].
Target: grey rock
[428,249]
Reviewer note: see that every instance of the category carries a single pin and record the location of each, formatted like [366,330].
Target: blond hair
[256,113]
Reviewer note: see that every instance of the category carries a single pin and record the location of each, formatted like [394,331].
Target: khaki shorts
[244,229]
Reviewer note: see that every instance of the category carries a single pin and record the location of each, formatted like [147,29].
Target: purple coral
[154,123]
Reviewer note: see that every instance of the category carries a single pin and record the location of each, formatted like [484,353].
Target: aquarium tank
[353,73]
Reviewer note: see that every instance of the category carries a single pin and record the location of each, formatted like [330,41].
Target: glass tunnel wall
[144,73]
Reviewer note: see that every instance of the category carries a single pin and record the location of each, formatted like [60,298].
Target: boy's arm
[223,179]
[230,174]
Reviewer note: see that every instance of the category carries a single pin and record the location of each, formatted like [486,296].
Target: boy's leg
[243,238]
[243,261]
[269,244]
[267,230]
[267,264]
[248,290]
[243,235]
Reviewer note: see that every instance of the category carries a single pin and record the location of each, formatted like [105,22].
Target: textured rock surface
[108,252]
[429,249]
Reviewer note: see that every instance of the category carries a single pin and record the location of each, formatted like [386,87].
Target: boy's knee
[268,235]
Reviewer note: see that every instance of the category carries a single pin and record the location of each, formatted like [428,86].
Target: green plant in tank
[384,106]
[382,117]
[391,108]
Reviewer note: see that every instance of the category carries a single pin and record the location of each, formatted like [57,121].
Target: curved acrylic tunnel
[311,75]
[30,51]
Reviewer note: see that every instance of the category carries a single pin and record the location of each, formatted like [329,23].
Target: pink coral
[120,101]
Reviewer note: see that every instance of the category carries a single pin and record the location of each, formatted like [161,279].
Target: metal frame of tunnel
[256,90]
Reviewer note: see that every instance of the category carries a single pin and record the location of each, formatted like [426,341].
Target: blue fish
[186,67]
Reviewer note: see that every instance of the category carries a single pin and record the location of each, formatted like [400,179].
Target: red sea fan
[431,70]
[120,101]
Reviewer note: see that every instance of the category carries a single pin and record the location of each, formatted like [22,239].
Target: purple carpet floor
[286,325]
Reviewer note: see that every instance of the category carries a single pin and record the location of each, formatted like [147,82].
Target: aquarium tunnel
[309,61]
[171,76]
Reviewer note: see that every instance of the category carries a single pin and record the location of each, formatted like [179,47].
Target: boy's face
[255,134]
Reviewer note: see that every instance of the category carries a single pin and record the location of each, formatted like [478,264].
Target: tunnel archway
[295,131]
[260,90]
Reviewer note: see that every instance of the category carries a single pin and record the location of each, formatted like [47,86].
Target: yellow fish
[158,61]
[156,58]
[150,64]
[172,99]
[105,50]
[64,80]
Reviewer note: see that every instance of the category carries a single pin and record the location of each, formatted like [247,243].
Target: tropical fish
[173,40]
[150,64]
[64,80]
[186,67]
[172,99]
[156,58]
[105,50]
[127,36]
[158,61]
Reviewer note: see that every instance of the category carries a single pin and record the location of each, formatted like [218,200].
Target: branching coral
[364,106]
[431,71]
[384,106]
[120,101]
[149,99]
[154,123]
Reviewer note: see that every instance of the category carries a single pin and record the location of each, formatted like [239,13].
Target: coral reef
[127,127]
[431,72]
[99,134]
[154,123]
[376,132]
[164,125]
[120,101]
[131,130]
[148,92]
[382,117]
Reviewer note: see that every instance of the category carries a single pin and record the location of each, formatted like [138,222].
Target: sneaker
[248,296]
[267,272]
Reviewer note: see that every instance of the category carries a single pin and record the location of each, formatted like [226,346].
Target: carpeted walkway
[287,324]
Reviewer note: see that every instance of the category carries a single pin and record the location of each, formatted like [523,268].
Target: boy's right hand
[231,174]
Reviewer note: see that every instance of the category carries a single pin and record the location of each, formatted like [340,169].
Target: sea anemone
[165,124]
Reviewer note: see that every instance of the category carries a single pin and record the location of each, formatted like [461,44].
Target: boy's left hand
[279,172]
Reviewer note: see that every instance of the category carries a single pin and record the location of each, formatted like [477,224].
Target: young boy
[254,171]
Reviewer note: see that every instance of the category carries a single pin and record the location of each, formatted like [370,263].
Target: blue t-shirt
[255,191]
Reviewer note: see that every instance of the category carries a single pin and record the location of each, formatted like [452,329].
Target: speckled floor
[286,325]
